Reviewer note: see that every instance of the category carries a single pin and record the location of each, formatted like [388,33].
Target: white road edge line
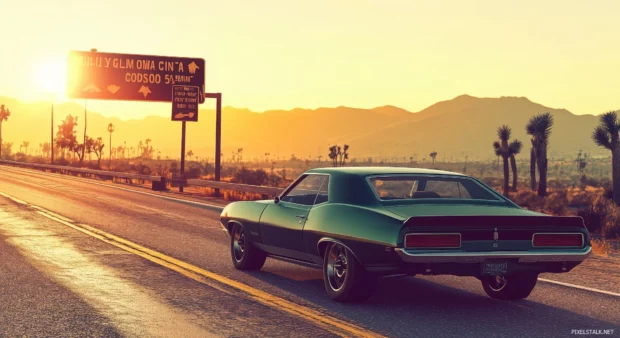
[14,199]
[609,293]
[89,181]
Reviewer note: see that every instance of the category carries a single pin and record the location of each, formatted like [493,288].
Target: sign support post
[218,134]
[182,174]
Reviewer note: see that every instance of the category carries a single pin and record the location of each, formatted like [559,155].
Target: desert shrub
[142,169]
[194,172]
[248,176]
[61,161]
[601,247]
[528,199]
[39,160]
[602,216]
[609,193]
[557,203]
[274,180]
[91,165]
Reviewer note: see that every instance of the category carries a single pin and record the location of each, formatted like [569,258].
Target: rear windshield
[419,187]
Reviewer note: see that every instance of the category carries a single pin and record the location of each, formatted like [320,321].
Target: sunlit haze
[281,54]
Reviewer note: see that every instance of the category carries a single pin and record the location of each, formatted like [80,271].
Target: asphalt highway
[56,278]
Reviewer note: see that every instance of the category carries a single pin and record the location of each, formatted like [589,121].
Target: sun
[49,77]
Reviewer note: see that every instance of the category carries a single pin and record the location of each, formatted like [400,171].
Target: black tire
[245,256]
[344,277]
[511,287]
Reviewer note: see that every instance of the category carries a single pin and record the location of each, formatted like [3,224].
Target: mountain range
[462,126]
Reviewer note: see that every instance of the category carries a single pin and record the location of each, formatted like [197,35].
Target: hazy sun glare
[50,78]
[362,53]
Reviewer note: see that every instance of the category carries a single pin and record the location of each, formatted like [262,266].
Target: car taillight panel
[557,240]
[432,240]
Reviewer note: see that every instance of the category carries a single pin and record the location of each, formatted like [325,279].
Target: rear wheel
[511,287]
[245,256]
[344,277]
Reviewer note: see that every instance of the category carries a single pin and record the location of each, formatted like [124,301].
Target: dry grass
[229,195]
[601,247]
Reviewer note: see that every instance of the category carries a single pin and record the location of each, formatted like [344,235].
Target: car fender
[369,233]
[245,213]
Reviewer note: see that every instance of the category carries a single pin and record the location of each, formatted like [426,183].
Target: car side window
[322,196]
[305,191]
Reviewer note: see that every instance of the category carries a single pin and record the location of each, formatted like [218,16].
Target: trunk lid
[485,228]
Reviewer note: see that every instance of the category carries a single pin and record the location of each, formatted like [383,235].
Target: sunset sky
[282,54]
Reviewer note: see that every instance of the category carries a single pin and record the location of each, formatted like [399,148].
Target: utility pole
[52,134]
[111,130]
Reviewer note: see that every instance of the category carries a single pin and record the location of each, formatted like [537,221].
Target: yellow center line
[328,323]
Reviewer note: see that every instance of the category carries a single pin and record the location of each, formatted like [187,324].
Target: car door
[281,224]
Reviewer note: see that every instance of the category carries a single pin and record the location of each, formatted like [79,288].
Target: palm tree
[539,126]
[507,151]
[606,135]
[26,145]
[4,115]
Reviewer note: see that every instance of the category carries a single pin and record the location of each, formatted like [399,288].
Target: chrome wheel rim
[238,243]
[498,283]
[337,266]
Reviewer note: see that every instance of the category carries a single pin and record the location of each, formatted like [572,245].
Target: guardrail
[158,182]
[254,189]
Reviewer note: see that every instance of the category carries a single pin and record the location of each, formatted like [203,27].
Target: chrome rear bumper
[479,257]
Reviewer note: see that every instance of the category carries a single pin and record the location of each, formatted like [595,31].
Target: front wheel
[344,277]
[511,287]
[245,256]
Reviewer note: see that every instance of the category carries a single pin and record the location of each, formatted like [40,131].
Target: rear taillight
[557,240]
[434,240]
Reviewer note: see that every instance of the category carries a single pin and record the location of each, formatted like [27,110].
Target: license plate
[494,269]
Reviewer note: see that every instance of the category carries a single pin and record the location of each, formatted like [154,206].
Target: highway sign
[185,103]
[110,76]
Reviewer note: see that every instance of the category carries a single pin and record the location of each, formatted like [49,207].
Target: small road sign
[185,103]
[110,76]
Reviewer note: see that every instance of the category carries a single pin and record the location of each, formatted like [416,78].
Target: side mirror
[276,200]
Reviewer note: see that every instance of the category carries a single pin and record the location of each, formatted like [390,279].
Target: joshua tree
[507,151]
[333,154]
[606,135]
[539,126]
[514,148]
[344,155]
[433,155]
[4,115]
[338,155]
[533,165]
[190,154]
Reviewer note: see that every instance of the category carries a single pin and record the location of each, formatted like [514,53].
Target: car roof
[367,171]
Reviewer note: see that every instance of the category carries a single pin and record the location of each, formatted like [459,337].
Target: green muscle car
[357,224]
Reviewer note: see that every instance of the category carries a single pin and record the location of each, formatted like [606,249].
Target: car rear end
[492,245]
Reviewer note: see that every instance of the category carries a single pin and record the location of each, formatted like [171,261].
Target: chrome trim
[558,233]
[434,233]
[479,257]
